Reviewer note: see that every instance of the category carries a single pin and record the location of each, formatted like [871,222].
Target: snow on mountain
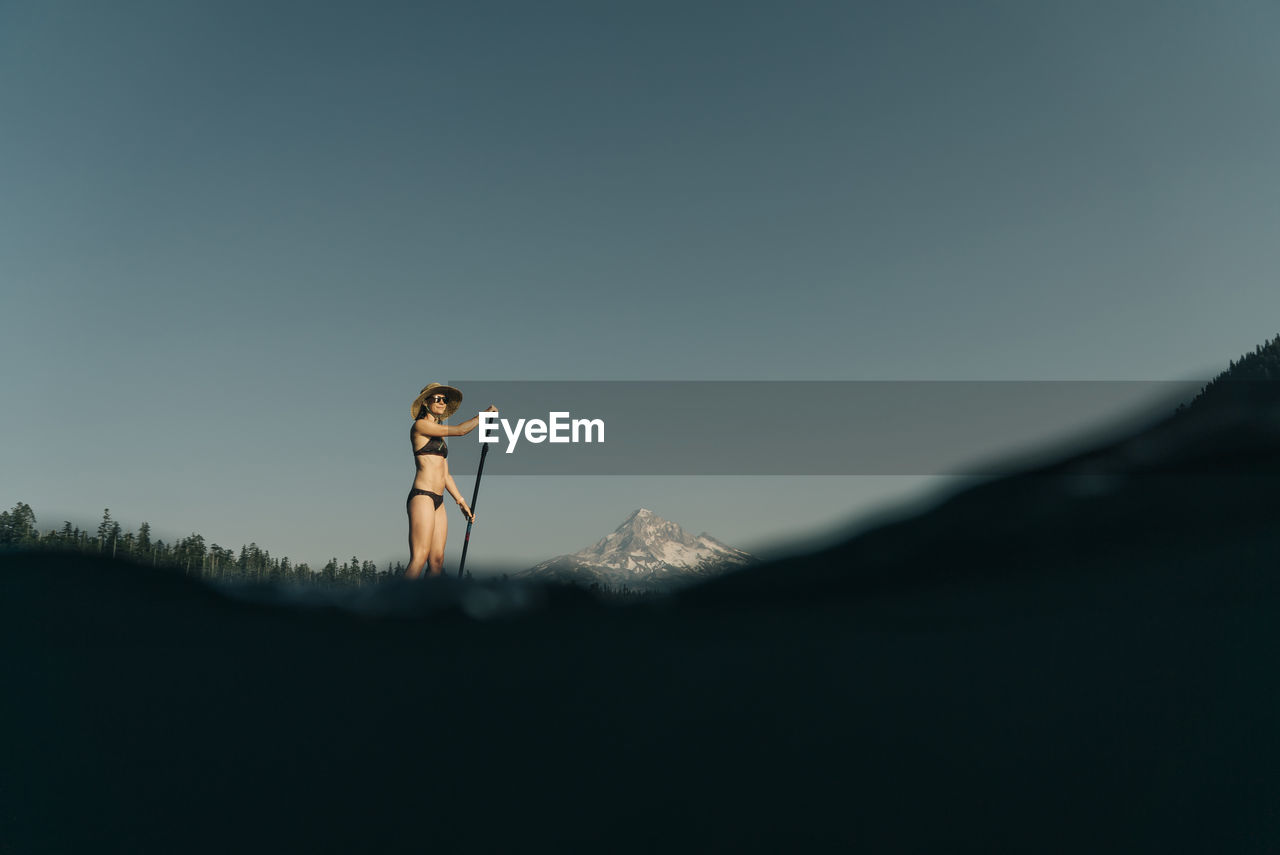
[646,552]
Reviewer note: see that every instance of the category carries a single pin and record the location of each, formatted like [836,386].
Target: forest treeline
[1244,382]
[191,555]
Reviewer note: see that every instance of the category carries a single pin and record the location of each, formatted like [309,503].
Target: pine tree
[114,537]
[192,553]
[144,541]
[104,529]
[18,525]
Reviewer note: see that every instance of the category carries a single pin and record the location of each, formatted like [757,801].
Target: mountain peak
[646,548]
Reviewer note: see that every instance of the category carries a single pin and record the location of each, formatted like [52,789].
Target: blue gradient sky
[237,237]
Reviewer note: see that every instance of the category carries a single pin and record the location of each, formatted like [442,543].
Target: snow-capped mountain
[646,552]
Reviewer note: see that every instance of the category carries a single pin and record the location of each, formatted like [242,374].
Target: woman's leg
[422,521]
[441,530]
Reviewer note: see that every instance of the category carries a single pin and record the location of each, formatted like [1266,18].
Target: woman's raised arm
[427,427]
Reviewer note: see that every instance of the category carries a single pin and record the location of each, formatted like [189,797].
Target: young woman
[428,524]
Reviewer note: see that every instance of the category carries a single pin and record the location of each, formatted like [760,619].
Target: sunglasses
[437,399]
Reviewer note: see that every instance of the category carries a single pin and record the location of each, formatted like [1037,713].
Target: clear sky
[237,237]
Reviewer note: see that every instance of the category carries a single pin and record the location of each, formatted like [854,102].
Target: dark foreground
[1077,659]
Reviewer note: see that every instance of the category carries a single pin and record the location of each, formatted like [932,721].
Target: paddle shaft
[475,497]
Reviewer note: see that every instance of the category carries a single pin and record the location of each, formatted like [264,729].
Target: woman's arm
[427,427]
[463,429]
[452,489]
[470,424]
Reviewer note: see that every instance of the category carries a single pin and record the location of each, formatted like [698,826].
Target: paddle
[475,495]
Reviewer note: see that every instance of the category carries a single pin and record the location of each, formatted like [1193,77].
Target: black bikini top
[435,445]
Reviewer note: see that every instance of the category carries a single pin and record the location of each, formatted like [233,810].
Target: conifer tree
[104,529]
[17,525]
[114,538]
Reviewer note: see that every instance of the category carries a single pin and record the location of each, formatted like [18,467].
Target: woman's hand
[471,424]
[466,512]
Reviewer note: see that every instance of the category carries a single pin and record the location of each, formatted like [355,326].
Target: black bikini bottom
[435,497]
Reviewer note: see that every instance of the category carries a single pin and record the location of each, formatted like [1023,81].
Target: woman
[428,524]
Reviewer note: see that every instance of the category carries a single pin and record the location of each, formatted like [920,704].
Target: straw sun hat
[452,399]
